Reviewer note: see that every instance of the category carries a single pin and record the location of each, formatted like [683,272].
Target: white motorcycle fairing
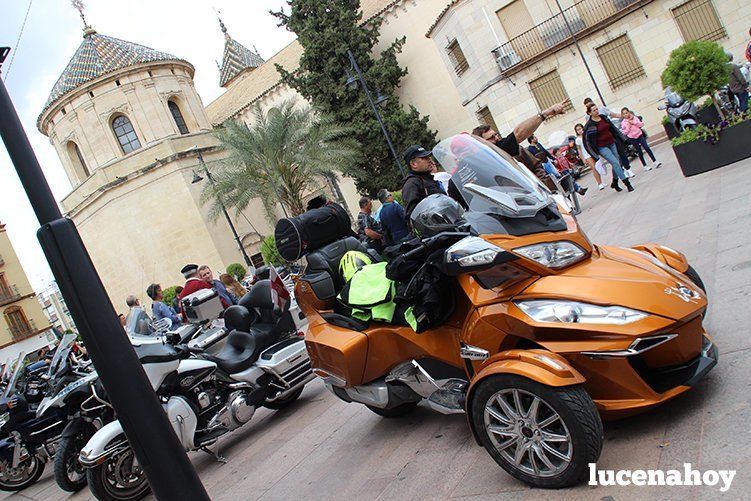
[95,451]
[182,419]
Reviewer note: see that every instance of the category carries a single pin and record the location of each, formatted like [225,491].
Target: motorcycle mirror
[662,107]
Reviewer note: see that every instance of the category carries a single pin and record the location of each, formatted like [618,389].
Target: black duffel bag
[311,230]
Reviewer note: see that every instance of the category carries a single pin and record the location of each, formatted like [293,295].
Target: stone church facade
[129,126]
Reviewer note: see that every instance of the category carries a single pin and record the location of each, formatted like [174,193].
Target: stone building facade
[23,325]
[468,61]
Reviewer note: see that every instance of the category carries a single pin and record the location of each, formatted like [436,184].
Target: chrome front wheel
[543,436]
[528,432]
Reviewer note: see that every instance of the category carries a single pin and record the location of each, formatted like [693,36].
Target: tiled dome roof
[236,58]
[98,55]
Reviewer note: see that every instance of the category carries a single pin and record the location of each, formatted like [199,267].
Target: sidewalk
[323,448]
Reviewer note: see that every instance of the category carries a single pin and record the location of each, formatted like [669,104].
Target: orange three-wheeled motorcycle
[545,334]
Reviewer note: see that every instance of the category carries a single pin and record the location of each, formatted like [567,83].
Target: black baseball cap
[415,151]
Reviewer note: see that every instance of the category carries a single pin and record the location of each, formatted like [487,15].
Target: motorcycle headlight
[553,255]
[574,312]
[472,251]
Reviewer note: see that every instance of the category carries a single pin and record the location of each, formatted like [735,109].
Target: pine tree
[326,29]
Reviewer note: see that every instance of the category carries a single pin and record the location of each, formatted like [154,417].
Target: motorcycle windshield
[16,373]
[500,195]
[60,359]
[139,323]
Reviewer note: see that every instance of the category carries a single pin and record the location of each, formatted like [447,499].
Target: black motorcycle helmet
[436,214]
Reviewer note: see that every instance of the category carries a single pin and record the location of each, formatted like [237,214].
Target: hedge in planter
[708,148]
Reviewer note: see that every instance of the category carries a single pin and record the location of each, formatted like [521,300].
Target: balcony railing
[9,294]
[19,332]
[553,32]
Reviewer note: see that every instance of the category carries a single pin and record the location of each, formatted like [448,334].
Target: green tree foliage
[237,270]
[280,158]
[697,68]
[169,295]
[268,251]
[326,30]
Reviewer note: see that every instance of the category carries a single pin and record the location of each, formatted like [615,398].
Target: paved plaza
[323,448]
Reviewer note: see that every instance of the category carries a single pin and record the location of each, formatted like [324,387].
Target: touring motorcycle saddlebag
[311,230]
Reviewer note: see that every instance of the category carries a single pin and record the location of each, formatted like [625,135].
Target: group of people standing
[599,140]
[229,289]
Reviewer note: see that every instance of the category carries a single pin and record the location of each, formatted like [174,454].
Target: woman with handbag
[600,137]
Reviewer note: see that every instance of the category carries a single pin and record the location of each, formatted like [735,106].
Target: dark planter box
[670,130]
[708,115]
[698,156]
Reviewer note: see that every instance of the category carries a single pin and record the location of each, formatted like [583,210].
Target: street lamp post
[149,433]
[581,54]
[197,179]
[373,105]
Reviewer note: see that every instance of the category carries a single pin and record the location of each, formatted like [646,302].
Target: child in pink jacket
[631,128]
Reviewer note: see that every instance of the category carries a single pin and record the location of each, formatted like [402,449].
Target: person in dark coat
[419,183]
[600,138]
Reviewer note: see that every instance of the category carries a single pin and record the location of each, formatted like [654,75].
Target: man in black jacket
[419,183]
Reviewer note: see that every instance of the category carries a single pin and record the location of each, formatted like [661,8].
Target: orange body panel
[645,279]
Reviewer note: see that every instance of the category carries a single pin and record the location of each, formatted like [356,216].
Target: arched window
[76,158]
[178,117]
[19,325]
[125,134]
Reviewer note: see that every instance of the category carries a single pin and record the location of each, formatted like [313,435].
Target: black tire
[394,412]
[693,275]
[33,471]
[281,404]
[101,487]
[66,461]
[578,418]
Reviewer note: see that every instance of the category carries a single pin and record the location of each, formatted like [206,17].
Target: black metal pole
[248,262]
[364,84]
[581,54]
[155,444]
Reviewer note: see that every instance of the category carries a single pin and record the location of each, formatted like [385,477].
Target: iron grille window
[456,55]
[178,117]
[486,118]
[619,60]
[698,20]
[125,134]
[548,90]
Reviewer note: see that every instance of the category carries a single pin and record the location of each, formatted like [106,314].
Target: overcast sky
[186,28]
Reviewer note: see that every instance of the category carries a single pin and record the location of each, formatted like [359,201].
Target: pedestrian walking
[737,84]
[586,157]
[631,126]
[620,146]
[600,137]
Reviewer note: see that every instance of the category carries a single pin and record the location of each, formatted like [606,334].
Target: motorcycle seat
[241,350]
[155,353]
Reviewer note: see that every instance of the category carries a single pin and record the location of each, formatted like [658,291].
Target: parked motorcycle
[30,439]
[87,409]
[538,333]
[263,363]
[681,113]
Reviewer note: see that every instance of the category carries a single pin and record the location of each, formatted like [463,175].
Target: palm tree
[281,157]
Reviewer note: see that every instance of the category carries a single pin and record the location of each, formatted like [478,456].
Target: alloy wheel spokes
[528,432]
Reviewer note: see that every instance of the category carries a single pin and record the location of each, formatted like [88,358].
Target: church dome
[99,55]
